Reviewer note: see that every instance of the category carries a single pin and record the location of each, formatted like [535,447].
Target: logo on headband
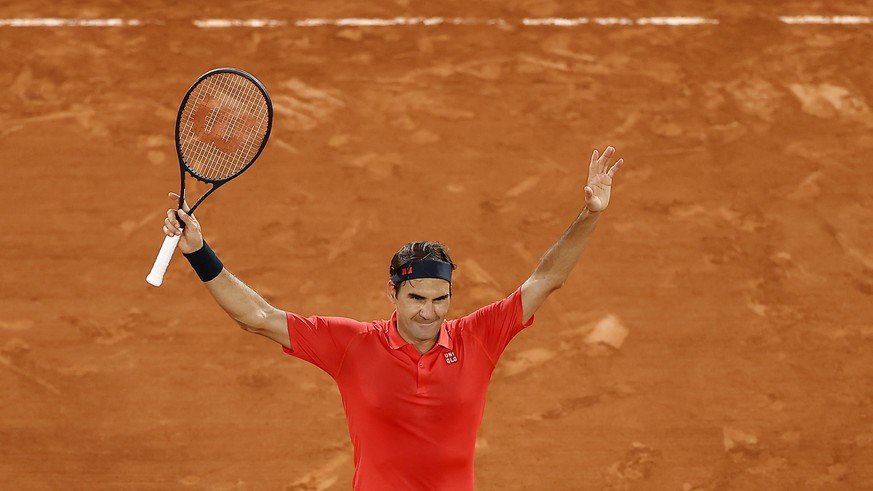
[406,271]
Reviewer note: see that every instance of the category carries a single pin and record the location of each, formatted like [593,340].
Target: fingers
[175,197]
[172,227]
[615,167]
[190,221]
[172,224]
[177,220]
[600,162]
[192,239]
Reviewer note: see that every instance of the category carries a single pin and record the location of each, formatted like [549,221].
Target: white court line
[818,19]
[55,22]
[460,21]
[622,21]
[424,21]
[213,23]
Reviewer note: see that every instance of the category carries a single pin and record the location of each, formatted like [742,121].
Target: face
[421,308]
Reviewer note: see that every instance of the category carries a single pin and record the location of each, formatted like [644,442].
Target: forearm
[557,263]
[240,301]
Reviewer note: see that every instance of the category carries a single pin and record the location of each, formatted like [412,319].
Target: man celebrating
[413,387]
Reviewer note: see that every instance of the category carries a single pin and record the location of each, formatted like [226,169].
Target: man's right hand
[192,237]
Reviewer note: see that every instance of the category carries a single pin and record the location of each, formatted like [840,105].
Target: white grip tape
[156,276]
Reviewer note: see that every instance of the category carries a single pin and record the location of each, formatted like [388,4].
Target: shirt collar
[396,341]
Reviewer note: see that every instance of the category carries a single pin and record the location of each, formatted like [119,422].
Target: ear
[392,295]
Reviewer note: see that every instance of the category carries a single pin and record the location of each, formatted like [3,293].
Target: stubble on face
[421,307]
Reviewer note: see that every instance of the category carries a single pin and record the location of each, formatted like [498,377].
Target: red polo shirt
[413,418]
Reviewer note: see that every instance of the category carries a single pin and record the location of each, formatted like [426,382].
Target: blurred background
[716,335]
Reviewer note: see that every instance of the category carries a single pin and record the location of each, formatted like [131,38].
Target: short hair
[418,251]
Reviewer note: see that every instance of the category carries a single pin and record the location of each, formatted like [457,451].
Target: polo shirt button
[421,365]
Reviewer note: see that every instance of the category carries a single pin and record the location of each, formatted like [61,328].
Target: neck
[421,345]
[424,346]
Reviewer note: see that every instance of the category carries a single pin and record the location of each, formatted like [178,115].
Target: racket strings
[250,96]
[224,152]
[224,163]
[223,125]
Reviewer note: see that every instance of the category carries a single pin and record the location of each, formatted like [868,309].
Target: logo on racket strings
[220,125]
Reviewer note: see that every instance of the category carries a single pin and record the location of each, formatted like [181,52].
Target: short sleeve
[495,325]
[322,341]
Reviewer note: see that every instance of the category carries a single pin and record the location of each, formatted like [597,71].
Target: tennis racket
[222,126]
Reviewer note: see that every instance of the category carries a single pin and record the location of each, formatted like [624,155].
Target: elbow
[552,287]
[547,284]
[551,283]
[253,322]
[243,325]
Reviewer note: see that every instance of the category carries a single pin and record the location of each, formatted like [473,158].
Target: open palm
[600,174]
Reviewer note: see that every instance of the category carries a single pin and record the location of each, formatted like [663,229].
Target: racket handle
[156,276]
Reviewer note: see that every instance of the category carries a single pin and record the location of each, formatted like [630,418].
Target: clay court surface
[733,271]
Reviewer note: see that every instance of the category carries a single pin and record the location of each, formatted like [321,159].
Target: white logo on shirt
[450,357]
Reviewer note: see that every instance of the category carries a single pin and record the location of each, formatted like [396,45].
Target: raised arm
[241,302]
[555,266]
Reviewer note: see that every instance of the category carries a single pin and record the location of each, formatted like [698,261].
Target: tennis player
[413,386]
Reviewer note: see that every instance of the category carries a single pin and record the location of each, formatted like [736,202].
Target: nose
[427,312]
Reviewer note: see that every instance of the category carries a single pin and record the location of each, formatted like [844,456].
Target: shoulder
[510,303]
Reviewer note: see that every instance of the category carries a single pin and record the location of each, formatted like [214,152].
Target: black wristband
[205,263]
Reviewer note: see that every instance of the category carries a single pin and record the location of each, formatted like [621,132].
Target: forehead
[425,287]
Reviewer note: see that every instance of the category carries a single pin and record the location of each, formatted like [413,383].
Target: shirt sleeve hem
[289,351]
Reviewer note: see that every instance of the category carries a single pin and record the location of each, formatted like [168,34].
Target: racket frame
[183,164]
[156,275]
